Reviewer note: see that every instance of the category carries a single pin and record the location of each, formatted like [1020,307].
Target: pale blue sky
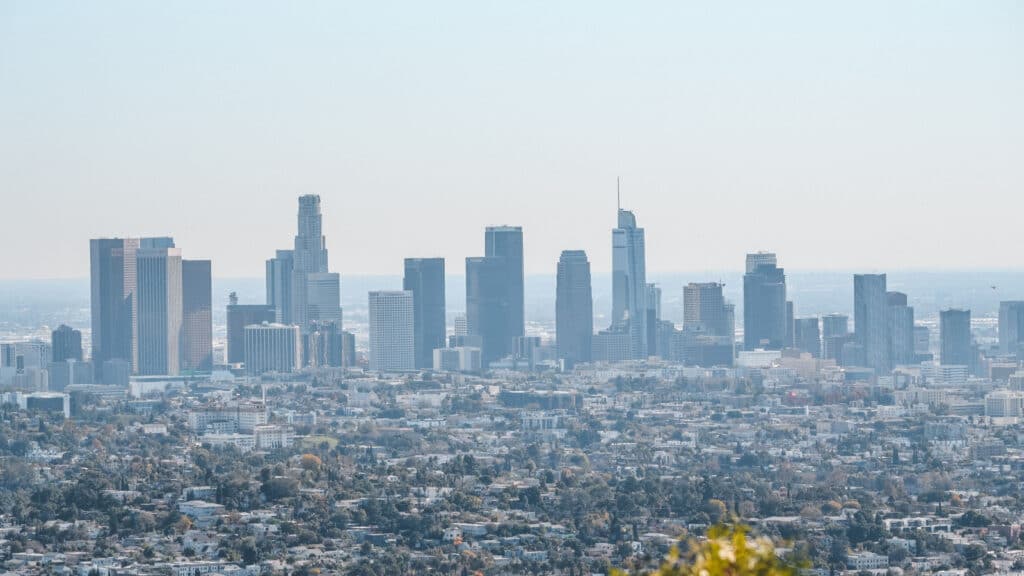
[858,135]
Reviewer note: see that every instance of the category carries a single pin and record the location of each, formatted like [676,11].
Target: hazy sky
[867,135]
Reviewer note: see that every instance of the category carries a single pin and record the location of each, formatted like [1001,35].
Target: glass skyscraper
[424,277]
[574,308]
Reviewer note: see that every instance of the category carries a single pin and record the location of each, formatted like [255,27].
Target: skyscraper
[66,343]
[629,283]
[955,337]
[197,316]
[323,301]
[506,242]
[871,321]
[424,277]
[1011,327]
[238,317]
[704,305]
[160,309]
[764,303]
[835,333]
[901,329]
[392,343]
[487,307]
[309,257]
[279,286]
[113,302]
[652,318]
[807,336]
[790,334]
[574,308]
[494,293]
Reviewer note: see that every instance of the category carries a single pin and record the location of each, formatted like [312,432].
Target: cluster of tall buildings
[151,314]
[151,309]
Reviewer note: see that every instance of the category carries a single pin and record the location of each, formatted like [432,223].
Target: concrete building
[159,307]
[238,317]
[272,348]
[392,342]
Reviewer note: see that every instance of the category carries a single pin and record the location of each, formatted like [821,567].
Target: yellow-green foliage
[726,552]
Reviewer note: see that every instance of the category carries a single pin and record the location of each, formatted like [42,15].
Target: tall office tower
[272,348]
[494,293]
[460,325]
[835,333]
[629,283]
[790,334]
[574,308]
[730,322]
[704,305]
[392,324]
[279,285]
[835,325]
[160,309]
[424,277]
[487,307]
[348,349]
[901,329]
[309,257]
[757,259]
[506,242]
[322,345]
[197,316]
[323,301]
[238,317]
[1011,327]
[764,303]
[807,336]
[66,343]
[113,302]
[955,337]
[871,321]
[922,340]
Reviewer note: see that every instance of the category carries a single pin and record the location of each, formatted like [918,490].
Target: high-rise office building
[955,337]
[424,277]
[922,340]
[279,286]
[629,283]
[1011,327]
[323,301]
[392,343]
[704,305]
[308,257]
[113,301]
[753,261]
[835,333]
[901,329]
[66,343]
[574,308]
[506,242]
[197,316]
[494,293]
[238,317]
[807,336]
[272,348]
[764,303]
[159,309]
[871,320]
[487,308]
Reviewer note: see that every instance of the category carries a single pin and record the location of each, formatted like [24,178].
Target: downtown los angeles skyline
[869,138]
